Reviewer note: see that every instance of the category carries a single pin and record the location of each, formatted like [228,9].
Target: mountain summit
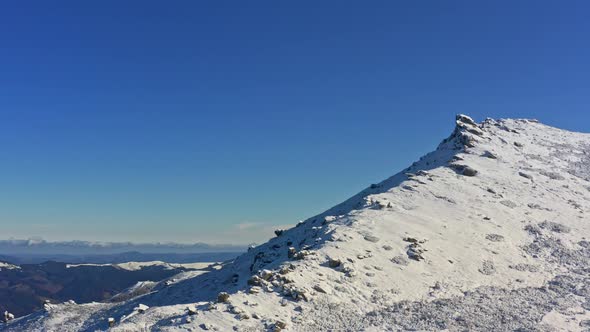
[491,231]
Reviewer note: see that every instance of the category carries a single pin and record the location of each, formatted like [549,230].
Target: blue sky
[216,120]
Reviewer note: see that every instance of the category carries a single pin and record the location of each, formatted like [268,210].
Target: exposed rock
[141,308]
[552,175]
[465,119]
[266,274]
[525,175]
[254,290]
[525,267]
[490,155]
[334,263]
[8,316]
[279,326]
[487,268]
[468,171]
[509,204]
[536,206]
[410,239]
[415,252]
[255,281]
[223,297]
[284,270]
[191,310]
[235,310]
[494,238]
[319,288]
[206,327]
[554,227]
[328,219]
[464,170]
[371,238]
[291,252]
[533,229]
[384,205]
[302,254]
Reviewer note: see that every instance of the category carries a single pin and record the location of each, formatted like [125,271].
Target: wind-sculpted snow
[483,309]
[581,167]
[488,232]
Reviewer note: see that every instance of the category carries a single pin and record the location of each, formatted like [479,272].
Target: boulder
[191,310]
[266,274]
[255,281]
[206,327]
[490,155]
[255,290]
[469,171]
[291,252]
[371,238]
[223,297]
[141,308]
[334,263]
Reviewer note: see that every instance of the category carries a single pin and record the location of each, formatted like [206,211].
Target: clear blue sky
[215,120]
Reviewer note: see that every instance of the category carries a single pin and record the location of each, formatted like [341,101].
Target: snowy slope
[488,232]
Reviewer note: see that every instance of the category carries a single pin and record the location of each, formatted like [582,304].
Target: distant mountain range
[25,288]
[34,251]
[36,246]
[131,256]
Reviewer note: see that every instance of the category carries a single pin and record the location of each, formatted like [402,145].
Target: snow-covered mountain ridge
[488,232]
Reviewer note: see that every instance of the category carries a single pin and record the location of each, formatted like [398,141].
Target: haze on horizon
[204,122]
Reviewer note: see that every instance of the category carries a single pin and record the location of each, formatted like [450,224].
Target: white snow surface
[465,233]
[8,266]
[136,266]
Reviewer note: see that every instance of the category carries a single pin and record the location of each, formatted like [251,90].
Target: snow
[7,266]
[135,266]
[433,247]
